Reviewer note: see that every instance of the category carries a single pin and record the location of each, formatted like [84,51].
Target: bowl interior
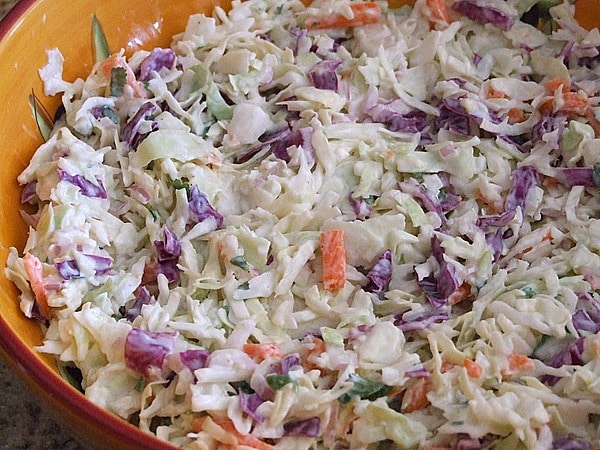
[25,35]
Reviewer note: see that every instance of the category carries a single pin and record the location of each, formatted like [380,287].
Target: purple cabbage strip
[307,427]
[159,58]
[410,122]
[453,117]
[360,206]
[380,274]
[143,298]
[483,14]
[524,178]
[571,354]
[409,321]
[130,132]
[576,176]
[194,359]
[547,124]
[68,269]
[29,192]
[249,403]
[201,209]
[567,443]
[323,75]
[85,186]
[279,141]
[288,362]
[493,227]
[168,251]
[419,192]
[145,351]
[587,314]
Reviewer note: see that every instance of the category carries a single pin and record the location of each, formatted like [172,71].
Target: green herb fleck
[276,381]
[596,174]
[528,291]
[139,385]
[118,77]
[240,261]
[364,389]
[244,286]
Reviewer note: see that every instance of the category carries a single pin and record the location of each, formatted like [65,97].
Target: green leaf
[364,389]
[596,174]
[178,183]
[240,261]
[99,43]
[276,381]
[42,118]
[139,385]
[118,78]
[216,105]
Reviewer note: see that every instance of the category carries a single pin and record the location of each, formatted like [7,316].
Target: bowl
[25,33]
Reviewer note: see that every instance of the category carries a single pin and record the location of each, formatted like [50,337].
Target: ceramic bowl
[25,33]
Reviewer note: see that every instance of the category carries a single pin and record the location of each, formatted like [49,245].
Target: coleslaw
[340,225]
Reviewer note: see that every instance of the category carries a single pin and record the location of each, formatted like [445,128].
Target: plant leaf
[99,43]
[42,118]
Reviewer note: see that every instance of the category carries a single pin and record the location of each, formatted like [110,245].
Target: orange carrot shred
[261,352]
[34,270]
[415,396]
[473,369]
[515,115]
[334,259]
[243,439]
[363,13]
[439,11]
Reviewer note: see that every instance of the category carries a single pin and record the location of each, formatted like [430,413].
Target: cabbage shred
[180,199]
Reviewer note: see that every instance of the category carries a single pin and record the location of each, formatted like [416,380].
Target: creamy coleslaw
[336,226]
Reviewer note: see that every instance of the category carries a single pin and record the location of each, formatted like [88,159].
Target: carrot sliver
[460,294]
[438,10]
[553,84]
[515,115]
[34,270]
[575,103]
[334,259]
[261,352]
[415,396]
[473,369]
[363,13]
[243,439]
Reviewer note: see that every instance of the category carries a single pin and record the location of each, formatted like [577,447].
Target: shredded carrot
[318,348]
[575,103]
[363,13]
[460,294]
[492,93]
[242,439]
[553,84]
[260,352]
[515,115]
[334,259]
[473,369]
[415,395]
[517,363]
[35,272]
[439,11]
[118,60]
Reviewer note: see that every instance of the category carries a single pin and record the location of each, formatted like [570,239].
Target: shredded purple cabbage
[69,269]
[409,320]
[567,443]
[159,58]
[453,117]
[571,354]
[249,403]
[130,132]
[85,186]
[482,13]
[194,359]
[587,315]
[288,362]
[167,252]
[576,176]
[380,274]
[142,298]
[145,351]
[29,192]
[201,209]
[307,427]
[360,206]
[323,75]
[524,178]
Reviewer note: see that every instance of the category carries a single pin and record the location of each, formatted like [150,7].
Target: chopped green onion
[118,78]
[276,381]
[364,389]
